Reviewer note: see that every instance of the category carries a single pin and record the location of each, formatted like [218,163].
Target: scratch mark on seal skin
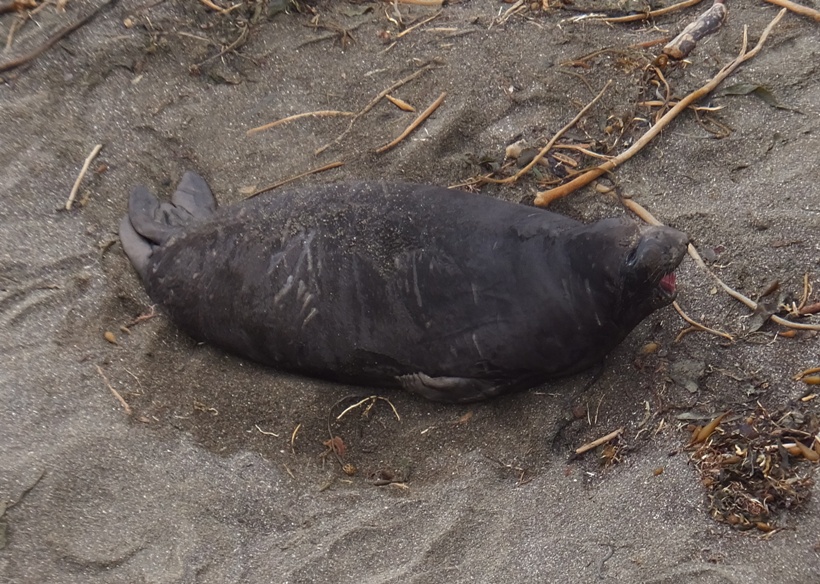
[305,304]
[306,244]
[477,348]
[309,317]
[592,302]
[475,293]
[416,283]
[284,290]
[275,260]
[300,291]
[565,285]
[304,256]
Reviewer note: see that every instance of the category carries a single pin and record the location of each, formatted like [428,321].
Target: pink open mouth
[667,283]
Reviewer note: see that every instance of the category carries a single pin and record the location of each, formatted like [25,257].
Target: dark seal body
[452,295]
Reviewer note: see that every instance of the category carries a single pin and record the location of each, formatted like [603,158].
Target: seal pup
[450,295]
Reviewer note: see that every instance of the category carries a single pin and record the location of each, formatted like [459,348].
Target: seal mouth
[667,285]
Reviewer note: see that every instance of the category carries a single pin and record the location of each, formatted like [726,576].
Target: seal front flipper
[457,389]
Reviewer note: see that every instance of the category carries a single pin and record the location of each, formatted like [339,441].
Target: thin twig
[798,8]
[117,395]
[54,39]
[551,143]
[700,326]
[372,104]
[261,431]
[595,443]
[240,40]
[651,14]
[293,437]
[73,195]
[276,185]
[16,25]
[582,150]
[804,298]
[418,24]
[316,114]
[544,198]
[372,398]
[219,9]
[416,123]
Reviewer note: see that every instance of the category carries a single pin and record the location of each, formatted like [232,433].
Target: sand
[218,473]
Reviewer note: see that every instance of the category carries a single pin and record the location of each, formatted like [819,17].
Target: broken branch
[707,23]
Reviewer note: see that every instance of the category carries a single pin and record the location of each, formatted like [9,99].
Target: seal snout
[654,259]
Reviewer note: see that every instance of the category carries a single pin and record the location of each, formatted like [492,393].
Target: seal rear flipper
[457,389]
[194,196]
[137,248]
[150,219]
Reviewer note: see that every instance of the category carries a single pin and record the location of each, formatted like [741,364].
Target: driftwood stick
[416,123]
[281,121]
[798,8]
[276,185]
[70,202]
[707,23]
[651,14]
[116,393]
[602,440]
[544,198]
[699,326]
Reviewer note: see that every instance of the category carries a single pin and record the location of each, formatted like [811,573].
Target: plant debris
[707,23]
[756,467]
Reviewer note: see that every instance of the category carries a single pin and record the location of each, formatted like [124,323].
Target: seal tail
[150,224]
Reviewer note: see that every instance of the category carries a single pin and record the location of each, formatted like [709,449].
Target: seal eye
[632,258]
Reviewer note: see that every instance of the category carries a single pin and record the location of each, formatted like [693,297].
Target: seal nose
[659,248]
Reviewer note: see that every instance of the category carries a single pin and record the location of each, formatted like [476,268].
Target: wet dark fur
[452,295]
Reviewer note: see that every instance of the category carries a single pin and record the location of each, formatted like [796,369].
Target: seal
[450,295]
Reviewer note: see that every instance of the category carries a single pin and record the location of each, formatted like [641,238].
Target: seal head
[633,266]
[451,295]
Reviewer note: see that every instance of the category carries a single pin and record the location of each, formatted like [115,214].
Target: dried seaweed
[753,468]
